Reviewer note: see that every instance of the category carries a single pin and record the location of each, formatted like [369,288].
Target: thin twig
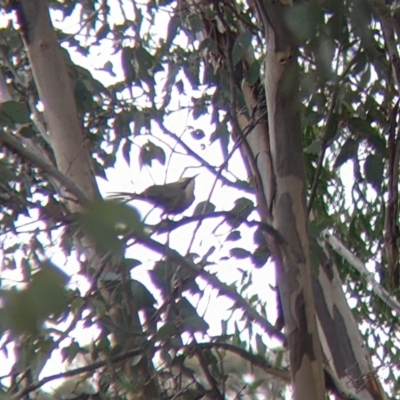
[78,371]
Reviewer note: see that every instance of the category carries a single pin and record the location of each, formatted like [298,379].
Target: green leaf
[6,174]
[141,295]
[260,256]
[359,125]
[234,236]
[105,221]
[303,21]
[241,45]
[196,25]
[45,296]
[197,134]
[253,73]
[167,331]
[144,63]
[191,321]
[239,253]
[331,128]
[204,207]
[126,151]
[259,237]
[346,153]
[83,97]
[314,148]
[261,347]
[70,352]
[242,209]
[279,359]
[127,55]
[103,32]
[131,263]
[195,324]
[164,272]
[373,169]
[12,112]
[174,24]
[122,123]
[28,132]
[223,135]
[210,45]
[150,152]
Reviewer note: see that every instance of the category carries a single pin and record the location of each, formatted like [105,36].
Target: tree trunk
[74,161]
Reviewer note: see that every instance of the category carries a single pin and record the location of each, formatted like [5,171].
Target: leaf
[222,134]
[150,152]
[127,65]
[346,153]
[331,128]
[195,324]
[209,44]
[144,63]
[302,20]
[260,256]
[126,151]
[241,45]
[173,25]
[261,347]
[196,25]
[253,73]
[164,272]
[359,125]
[239,253]
[103,32]
[234,236]
[6,173]
[314,148]
[70,352]
[197,134]
[259,237]
[28,132]
[191,321]
[131,263]
[122,123]
[335,26]
[373,170]
[83,97]
[12,112]
[105,221]
[141,295]
[242,209]
[27,309]
[167,331]
[204,207]
[278,359]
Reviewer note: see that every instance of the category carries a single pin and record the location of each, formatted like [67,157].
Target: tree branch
[213,280]
[36,161]
[381,292]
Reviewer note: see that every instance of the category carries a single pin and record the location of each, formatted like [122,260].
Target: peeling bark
[289,205]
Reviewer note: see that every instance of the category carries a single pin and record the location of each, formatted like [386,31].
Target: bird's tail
[122,196]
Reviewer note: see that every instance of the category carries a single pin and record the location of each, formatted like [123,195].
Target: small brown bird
[172,198]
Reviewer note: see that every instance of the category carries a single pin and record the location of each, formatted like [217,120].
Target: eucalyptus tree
[306,93]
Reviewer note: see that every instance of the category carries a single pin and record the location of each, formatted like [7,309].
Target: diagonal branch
[38,162]
[213,280]
[379,291]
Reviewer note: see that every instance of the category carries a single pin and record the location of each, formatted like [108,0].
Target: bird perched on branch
[172,198]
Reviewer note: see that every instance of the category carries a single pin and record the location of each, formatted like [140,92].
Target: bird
[173,198]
